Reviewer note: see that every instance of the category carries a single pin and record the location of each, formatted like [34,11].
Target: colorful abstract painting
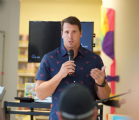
[107,31]
[107,40]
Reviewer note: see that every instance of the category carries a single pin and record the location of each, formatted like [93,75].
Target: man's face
[71,36]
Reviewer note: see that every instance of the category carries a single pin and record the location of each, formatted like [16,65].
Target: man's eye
[66,32]
[74,31]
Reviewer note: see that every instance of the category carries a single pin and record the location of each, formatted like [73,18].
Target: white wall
[9,22]
[126,43]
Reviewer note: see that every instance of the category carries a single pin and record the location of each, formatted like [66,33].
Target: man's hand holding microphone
[69,66]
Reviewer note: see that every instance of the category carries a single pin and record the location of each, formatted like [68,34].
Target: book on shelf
[22,80]
[23,39]
[119,117]
[30,90]
[26,68]
[30,67]
[22,67]
[97,44]
[22,108]
[30,80]
[22,53]
[20,93]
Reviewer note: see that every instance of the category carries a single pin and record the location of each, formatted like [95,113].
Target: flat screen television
[45,36]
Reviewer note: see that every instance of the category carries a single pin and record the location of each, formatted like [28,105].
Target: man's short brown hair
[71,20]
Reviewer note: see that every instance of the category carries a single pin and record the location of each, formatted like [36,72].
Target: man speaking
[54,73]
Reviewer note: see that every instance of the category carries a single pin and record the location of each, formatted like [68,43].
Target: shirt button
[74,81]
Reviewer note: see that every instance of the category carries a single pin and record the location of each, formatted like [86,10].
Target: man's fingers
[96,71]
[71,67]
[95,76]
[69,63]
[71,70]
[103,68]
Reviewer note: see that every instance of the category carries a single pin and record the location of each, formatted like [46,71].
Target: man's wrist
[103,84]
[60,76]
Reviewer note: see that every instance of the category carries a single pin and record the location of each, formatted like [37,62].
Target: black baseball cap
[76,102]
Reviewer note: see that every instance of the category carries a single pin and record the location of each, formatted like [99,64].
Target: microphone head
[71,52]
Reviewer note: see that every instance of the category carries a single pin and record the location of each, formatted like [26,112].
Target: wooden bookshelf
[20,89]
[42,117]
[37,65]
[22,60]
[23,45]
[27,74]
[26,71]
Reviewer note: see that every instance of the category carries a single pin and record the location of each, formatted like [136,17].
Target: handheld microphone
[71,54]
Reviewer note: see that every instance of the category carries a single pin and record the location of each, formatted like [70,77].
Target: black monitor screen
[87,35]
[45,36]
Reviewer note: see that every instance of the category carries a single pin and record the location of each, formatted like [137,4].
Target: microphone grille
[71,52]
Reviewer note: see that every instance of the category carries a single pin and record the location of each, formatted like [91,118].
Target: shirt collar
[64,51]
[81,50]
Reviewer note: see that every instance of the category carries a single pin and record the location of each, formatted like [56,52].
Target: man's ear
[59,115]
[81,34]
[95,114]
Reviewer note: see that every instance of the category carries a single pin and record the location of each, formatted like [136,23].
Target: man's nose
[70,35]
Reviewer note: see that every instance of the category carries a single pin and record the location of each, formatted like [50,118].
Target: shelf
[27,74]
[37,64]
[20,89]
[22,60]
[19,118]
[42,117]
[38,111]
[23,45]
[36,117]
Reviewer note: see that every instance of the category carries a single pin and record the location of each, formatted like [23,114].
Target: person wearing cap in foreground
[76,103]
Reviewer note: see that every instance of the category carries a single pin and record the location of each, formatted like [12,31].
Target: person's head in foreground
[76,103]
